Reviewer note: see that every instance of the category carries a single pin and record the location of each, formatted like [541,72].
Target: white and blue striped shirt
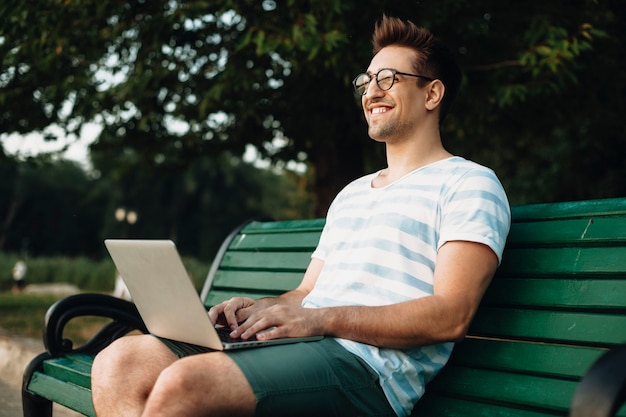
[379,247]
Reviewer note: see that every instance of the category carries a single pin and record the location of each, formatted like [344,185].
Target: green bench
[556,305]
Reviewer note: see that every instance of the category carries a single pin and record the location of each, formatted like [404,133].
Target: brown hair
[434,59]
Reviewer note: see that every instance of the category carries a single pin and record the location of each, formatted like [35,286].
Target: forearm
[415,323]
[463,272]
[290,297]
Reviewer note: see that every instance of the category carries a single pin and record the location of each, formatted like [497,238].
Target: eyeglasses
[384,79]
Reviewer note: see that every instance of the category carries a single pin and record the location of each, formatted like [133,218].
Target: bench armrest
[125,317]
[602,391]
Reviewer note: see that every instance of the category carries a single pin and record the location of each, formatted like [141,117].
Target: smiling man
[404,259]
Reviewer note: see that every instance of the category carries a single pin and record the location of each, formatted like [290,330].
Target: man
[401,266]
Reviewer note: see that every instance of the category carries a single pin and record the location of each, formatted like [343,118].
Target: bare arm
[462,273]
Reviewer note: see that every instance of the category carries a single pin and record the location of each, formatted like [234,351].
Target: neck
[404,156]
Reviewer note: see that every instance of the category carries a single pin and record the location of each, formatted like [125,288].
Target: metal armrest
[602,391]
[125,317]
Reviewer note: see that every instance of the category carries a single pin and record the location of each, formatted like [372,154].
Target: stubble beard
[389,131]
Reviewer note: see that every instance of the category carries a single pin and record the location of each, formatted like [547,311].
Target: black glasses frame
[361,88]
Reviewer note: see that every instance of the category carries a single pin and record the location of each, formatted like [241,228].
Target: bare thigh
[137,361]
[141,356]
[204,384]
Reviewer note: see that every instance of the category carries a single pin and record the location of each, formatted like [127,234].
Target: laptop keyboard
[224,334]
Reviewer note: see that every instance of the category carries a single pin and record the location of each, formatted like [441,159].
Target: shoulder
[463,174]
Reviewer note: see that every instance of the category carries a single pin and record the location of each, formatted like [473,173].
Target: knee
[111,359]
[175,380]
[187,379]
[195,386]
[123,356]
[116,352]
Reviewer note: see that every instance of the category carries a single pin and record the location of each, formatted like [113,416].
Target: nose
[372,89]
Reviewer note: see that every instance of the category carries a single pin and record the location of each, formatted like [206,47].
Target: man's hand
[281,320]
[232,312]
[271,318]
[267,318]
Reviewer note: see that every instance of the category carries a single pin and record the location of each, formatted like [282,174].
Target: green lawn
[23,314]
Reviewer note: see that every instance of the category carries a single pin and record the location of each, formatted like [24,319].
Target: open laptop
[163,293]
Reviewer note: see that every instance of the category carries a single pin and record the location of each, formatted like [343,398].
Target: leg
[124,373]
[208,384]
[311,379]
[139,375]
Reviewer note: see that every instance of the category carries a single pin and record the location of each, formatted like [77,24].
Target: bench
[556,306]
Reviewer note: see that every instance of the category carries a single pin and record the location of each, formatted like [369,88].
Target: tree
[199,206]
[171,81]
[9,194]
[52,208]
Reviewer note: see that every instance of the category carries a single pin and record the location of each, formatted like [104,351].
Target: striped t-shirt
[379,247]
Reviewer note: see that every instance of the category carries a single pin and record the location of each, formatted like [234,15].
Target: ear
[435,91]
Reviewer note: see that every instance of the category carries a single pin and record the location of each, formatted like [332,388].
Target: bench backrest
[557,302]
[262,259]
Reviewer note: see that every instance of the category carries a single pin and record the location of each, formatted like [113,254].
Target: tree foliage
[173,80]
[52,207]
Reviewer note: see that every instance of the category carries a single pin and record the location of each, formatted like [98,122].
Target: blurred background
[197,115]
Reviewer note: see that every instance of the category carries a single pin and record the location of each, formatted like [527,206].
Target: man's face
[392,115]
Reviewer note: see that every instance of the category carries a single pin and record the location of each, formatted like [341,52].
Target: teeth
[377,110]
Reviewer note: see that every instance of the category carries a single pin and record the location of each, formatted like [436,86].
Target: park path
[15,353]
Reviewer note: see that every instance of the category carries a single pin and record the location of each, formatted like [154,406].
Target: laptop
[164,294]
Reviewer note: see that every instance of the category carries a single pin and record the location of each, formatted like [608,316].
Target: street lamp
[120,214]
[126,216]
[131,217]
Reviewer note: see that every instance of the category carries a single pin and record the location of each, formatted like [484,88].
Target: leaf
[544,50]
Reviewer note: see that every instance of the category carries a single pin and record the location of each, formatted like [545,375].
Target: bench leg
[33,405]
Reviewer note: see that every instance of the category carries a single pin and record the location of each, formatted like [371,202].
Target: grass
[24,314]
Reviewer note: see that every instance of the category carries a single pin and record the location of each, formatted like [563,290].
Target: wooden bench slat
[557,292]
[441,405]
[505,388]
[577,231]
[292,226]
[257,280]
[70,395]
[68,369]
[266,261]
[566,327]
[541,359]
[217,296]
[569,210]
[433,404]
[498,392]
[280,240]
[568,261]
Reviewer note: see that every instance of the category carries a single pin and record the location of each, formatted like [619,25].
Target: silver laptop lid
[163,291]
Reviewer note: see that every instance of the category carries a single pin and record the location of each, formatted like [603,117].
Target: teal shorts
[306,379]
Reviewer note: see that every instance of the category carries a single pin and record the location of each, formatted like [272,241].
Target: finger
[244,313]
[268,334]
[230,313]
[215,312]
[252,327]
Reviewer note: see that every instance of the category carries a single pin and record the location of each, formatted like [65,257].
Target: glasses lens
[385,78]
[360,83]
